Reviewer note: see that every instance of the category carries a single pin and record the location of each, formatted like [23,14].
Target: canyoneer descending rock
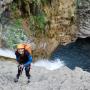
[24,60]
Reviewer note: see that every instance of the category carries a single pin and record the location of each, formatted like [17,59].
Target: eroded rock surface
[83,18]
[42,79]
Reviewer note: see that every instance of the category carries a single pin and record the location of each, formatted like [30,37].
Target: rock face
[10,32]
[83,18]
[61,24]
[3,6]
[60,28]
[61,18]
[43,79]
[66,22]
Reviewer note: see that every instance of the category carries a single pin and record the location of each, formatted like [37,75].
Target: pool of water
[76,54]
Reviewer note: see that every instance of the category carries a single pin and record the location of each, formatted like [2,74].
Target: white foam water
[50,65]
[7,53]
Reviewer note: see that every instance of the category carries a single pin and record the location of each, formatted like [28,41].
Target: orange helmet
[20,46]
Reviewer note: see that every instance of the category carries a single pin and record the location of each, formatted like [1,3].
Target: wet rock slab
[42,79]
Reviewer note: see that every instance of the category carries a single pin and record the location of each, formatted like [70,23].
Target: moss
[22,9]
[37,23]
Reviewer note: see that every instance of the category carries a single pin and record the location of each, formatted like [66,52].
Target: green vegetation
[32,12]
[18,23]
[37,23]
[14,36]
[31,9]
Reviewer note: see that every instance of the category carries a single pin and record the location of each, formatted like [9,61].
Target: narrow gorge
[45,25]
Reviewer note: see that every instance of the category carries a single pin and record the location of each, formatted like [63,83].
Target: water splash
[50,65]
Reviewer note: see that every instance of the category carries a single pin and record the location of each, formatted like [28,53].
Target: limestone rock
[83,19]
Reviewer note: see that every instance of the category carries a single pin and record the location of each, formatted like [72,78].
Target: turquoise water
[75,54]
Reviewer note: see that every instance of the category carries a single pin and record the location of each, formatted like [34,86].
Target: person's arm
[17,56]
[29,61]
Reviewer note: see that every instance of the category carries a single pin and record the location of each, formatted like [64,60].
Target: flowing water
[56,64]
[73,55]
[7,53]
[40,62]
[76,54]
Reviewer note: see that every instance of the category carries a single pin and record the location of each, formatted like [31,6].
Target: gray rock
[42,79]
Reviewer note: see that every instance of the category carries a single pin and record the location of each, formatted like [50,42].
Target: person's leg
[19,73]
[27,71]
